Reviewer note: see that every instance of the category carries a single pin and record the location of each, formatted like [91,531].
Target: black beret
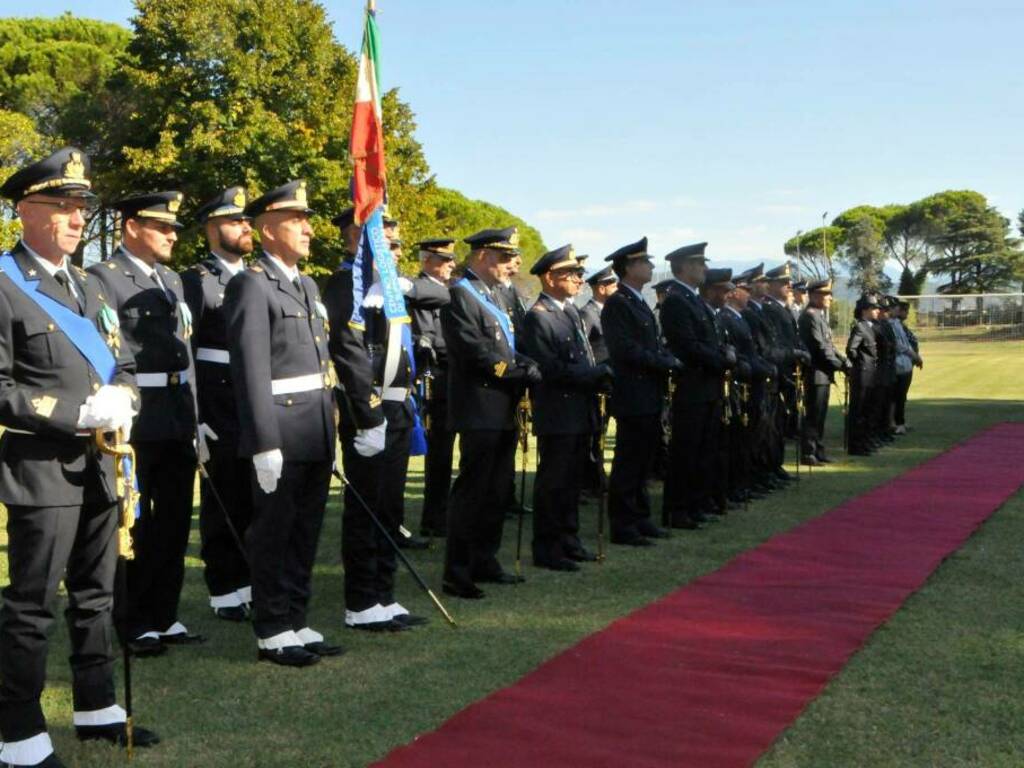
[695,251]
[151,206]
[287,197]
[560,258]
[229,204]
[637,250]
[65,173]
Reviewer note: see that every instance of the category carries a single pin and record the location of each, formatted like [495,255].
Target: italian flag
[367,147]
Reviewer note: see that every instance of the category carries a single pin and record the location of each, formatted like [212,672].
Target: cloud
[598,211]
[783,209]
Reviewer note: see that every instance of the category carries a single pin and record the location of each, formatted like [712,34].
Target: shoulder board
[111,265]
[255,268]
[200,270]
[81,272]
[538,307]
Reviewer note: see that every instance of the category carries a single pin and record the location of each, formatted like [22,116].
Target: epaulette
[539,307]
[81,272]
[255,268]
[111,265]
[200,270]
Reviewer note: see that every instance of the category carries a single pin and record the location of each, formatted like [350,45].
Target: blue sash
[499,314]
[80,330]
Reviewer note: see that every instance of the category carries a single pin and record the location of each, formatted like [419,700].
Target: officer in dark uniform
[437,258]
[156,325]
[825,363]
[641,366]
[862,351]
[63,375]
[603,284]
[487,376]
[799,301]
[229,234]
[277,342]
[376,424]
[564,409]
[691,334]
[885,379]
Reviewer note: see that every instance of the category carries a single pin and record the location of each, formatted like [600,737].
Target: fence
[967,317]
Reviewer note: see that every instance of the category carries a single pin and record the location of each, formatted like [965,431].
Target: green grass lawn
[940,685]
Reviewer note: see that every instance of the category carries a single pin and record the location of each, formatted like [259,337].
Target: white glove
[405,284]
[370,442]
[268,469]
[374,298]
[110,408]
[204,433]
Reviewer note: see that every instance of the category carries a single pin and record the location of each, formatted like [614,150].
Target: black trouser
[282,541]
[594,477]
[166,471]
[900,397]
[226,569]
[476,509]
[882,403]
[556,496]
[437,466]
[861,404]
[815,411]
[390,508]
[46,545]
[692,455]
[636,444]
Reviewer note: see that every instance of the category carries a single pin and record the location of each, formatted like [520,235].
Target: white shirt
[142,266]
[291,273]
[734,311]
[52,269]
[692,290]
[559,304]
[229,267]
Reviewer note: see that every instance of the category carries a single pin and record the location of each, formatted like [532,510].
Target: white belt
[394,394]
[161,379]
[293,384]
[13,431]
[210,355]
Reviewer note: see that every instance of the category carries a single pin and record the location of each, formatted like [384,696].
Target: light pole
[824,245]
[799,258]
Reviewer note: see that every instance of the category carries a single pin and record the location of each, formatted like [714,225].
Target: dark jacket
[691,335]
[862,350]
[754,367]
[564,402]
[44,381]
[816,337]
[425,301]
[275,332]
[591,315]
[485,374]
[205,286]
[635,354]
[787,336]
[153,328]
[885,338]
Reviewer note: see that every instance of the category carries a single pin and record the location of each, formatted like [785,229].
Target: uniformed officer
[825,363]
[375,375]
[691,334]
[156,325]
[437,260]
[564,409]
[63,375]
[862,351]
[277,342]
[487,377]
[885,381]
[908,358]
[799,299]
[641,366]
[221,528]
[603,283]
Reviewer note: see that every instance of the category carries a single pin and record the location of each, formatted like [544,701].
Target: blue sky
[733,122]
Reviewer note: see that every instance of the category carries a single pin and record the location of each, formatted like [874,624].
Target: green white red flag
[367,145]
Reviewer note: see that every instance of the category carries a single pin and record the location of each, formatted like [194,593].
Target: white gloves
[268,467]
[374,298]
[405,284]
[370,442]
[204,433]
[110,408]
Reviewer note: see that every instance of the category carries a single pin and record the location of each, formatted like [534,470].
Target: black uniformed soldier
[603,283]
[862,351]
[376,422]
[909,357]
[825,363]
[58,490]
[229,234]
[156,325]
[691,334]
[641,366]
[564,409]
[437,259]
[799,299]
[277,331]
[885,381]
[487,377]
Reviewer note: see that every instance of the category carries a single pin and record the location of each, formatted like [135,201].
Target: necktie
[577,324]
[297,282]
[62,277]
[163,288]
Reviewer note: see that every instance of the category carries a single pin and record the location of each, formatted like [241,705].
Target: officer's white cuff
[106,716]
[280,640]
[307,636]
[28,751]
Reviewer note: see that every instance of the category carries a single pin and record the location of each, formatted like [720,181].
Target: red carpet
[710,675]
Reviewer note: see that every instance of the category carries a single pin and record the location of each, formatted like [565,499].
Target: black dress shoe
[783,475]
[232,613]
[502,577]
[143,647]
[632,540]
[290,656]
[412,542]
[183,638]
[410,619]
[320,648]
[379,626]
[115,734]
[823,458]
[465,591]
[559,564]
[685,523]
[650,530]
[810,461]
[51,761]
[581,555]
